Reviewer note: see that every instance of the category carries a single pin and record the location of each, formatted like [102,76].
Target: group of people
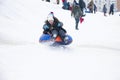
[111,11]
[54,28]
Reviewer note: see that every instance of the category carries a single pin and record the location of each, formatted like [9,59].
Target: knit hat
[50,16]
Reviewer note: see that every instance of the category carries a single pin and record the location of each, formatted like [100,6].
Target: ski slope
[93,55]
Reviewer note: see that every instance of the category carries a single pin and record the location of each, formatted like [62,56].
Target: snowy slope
[94,53]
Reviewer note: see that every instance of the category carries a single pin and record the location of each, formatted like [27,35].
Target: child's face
[51,21]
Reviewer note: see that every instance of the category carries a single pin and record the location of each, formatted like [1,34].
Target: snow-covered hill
[94,53]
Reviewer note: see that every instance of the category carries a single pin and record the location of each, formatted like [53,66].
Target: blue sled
[47,38]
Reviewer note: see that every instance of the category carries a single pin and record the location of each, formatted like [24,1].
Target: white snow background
[93,55]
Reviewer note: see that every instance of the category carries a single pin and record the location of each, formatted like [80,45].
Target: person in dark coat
[104,10]
[53,27]
[77,14]
[82,5]
[111,9]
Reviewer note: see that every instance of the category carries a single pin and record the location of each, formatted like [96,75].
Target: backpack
[76,11]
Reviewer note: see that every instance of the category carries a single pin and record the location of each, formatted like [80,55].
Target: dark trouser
[111,11]
[54,33]
[61,33]
[76,22]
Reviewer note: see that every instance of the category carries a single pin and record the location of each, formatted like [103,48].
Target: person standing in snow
[104,10]
[111,9]
[82,6]
[54,28]
[77,14]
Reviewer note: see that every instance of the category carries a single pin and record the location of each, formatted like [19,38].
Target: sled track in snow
[92,46]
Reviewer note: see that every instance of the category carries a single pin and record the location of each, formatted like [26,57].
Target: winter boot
[81,19]
[66,39]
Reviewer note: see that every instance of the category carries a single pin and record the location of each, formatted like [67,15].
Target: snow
[93,55]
